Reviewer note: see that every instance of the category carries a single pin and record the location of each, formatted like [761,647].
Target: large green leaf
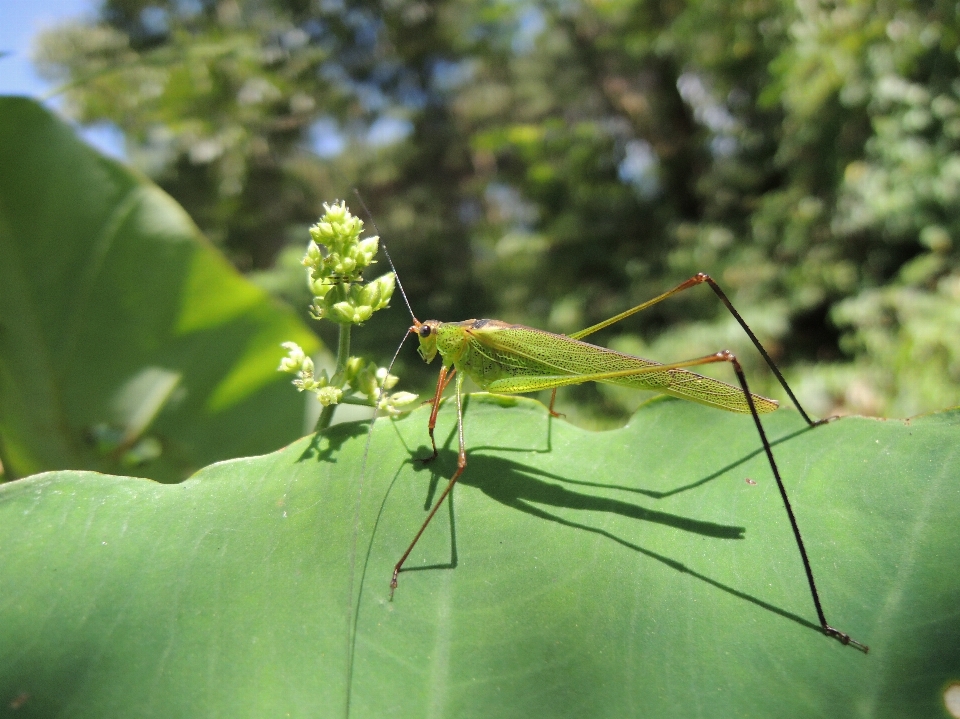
[118,320]
[635,572]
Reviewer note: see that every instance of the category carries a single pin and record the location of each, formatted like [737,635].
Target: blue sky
[20,21]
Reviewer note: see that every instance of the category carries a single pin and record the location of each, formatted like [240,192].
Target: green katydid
[507,359]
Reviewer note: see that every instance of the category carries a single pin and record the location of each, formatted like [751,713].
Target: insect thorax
[451,340]
[464,345]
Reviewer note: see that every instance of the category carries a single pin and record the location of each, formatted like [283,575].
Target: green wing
[514,358]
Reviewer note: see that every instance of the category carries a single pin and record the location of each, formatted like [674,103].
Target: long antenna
[383,247]
[354,611]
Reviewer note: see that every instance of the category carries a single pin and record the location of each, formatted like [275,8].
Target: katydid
[506,358]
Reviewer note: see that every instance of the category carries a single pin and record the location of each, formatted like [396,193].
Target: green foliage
[127,343]
[556,163]
[578,574]
[895,205]
[213,105]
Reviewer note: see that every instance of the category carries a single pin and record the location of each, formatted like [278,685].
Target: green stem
[357,401]
[343,354]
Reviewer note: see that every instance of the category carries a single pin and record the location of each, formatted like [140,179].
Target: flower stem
[343,354]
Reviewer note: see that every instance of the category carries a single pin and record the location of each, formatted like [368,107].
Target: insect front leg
[446,374]
[461,465]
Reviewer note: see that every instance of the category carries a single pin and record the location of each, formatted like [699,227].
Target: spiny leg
[446,374]
[741,377]
[450,373]
[461,464]
[727,356]
[701,277]
[546,382]
[827,629]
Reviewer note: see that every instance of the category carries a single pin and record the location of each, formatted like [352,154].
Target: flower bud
[385,380]
[368,248]
[305,383]
[318,311]
[397,403]
[386,284]
[335,260]
[353,368]
[294,359]
[335,212]
[370,294]
[342,312]
[352,224]
[319,288]
[330,395]
[365,381]
[322,231]
[313,256]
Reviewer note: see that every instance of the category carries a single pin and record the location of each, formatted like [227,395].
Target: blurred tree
[886,258]
[254,113]
[556,162]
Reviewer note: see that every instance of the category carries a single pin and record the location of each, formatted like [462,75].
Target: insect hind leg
[698,279]
[830,631]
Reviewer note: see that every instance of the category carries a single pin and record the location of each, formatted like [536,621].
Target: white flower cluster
[361,378]
[334,277]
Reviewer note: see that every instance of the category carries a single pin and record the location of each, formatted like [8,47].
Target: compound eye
[424,330]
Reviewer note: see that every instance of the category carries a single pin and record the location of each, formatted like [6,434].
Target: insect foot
[844,639]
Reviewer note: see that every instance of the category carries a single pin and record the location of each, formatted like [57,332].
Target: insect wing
[537,354]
